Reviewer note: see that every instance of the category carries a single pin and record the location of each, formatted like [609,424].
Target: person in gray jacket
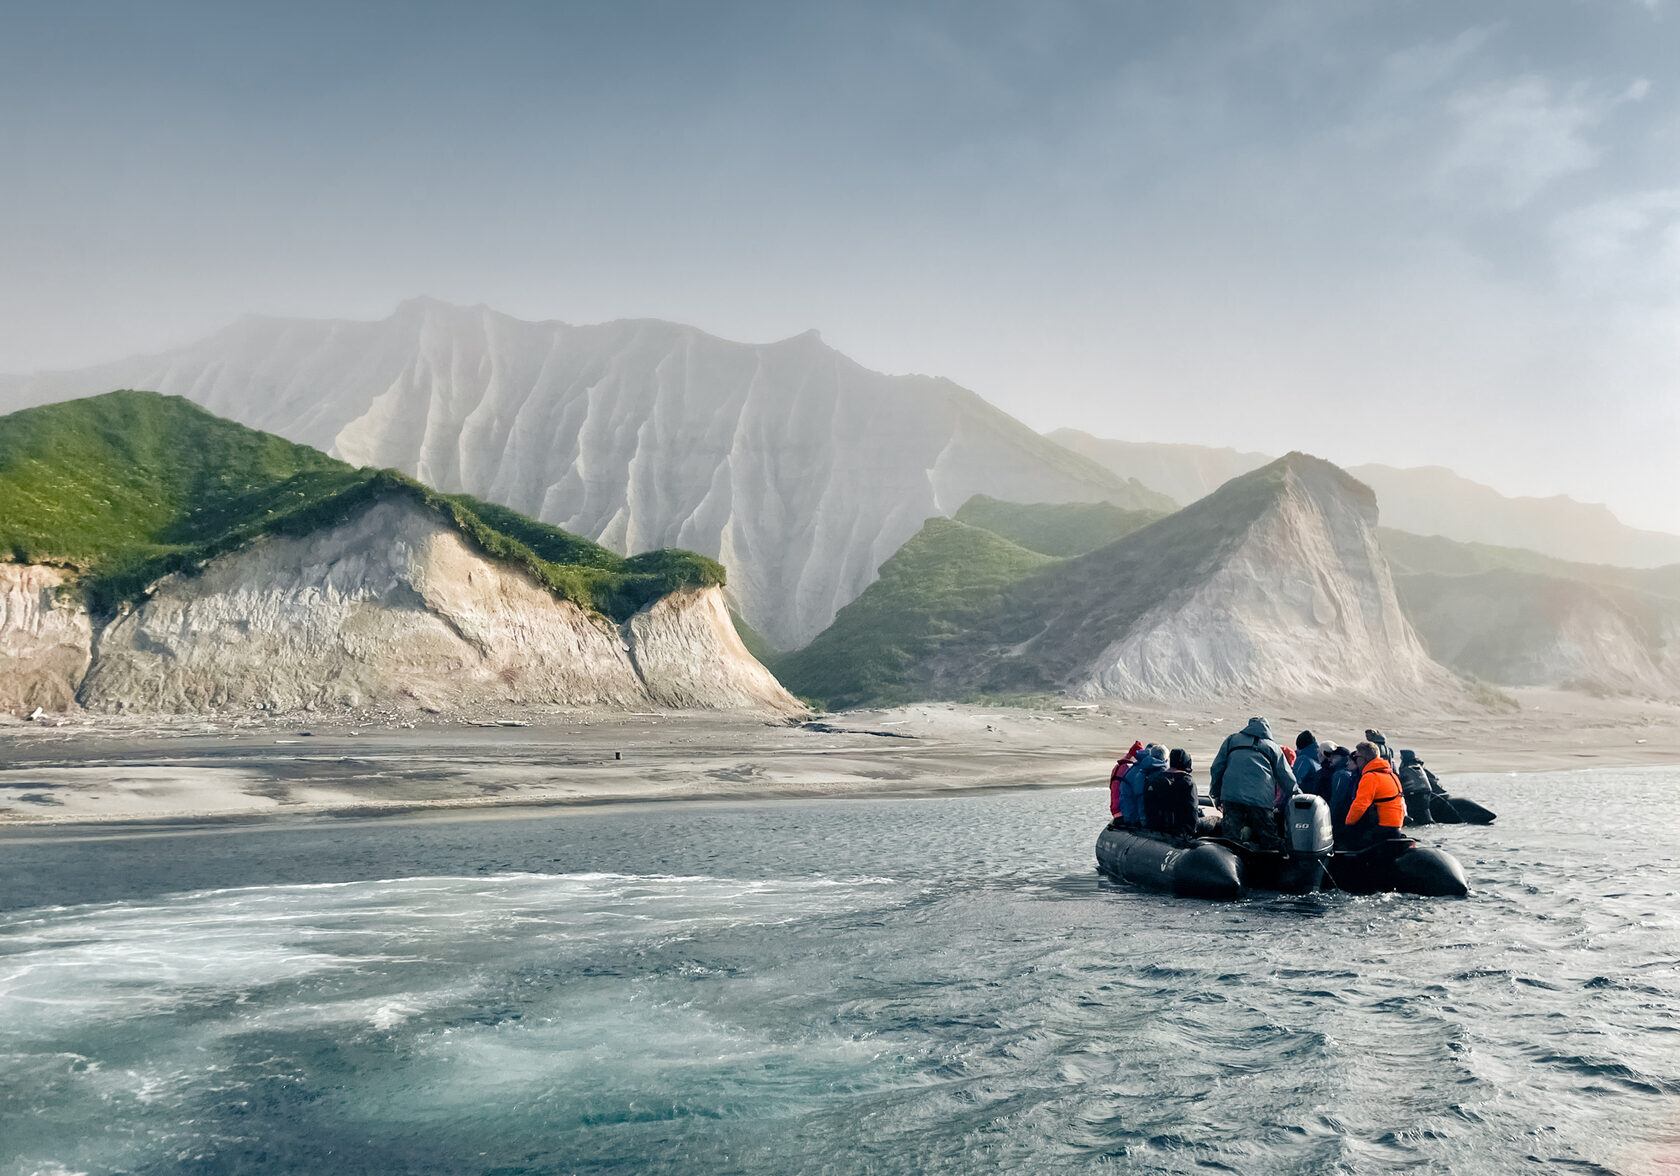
[1251,783]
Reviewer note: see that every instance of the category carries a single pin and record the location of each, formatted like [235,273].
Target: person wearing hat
[1169,795]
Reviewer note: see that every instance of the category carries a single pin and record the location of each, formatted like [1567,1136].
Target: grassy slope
[936,587]
[129,486]
[1048,623]
[1059,529]
[930,590]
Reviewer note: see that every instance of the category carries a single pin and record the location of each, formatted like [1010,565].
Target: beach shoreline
[182,770]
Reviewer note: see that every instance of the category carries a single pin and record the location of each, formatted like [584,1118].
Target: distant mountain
[1272,586]
[799,469]
[1183,473]
[164,559]
[1425,501]
[1519,618]
[1435,501]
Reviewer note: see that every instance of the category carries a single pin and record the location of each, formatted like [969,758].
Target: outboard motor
[1310,834]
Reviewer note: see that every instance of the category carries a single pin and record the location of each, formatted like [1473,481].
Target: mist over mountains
[1009,562]
[1426,500]
[1272,586]
[797,468]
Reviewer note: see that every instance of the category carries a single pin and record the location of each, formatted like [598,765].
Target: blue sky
[1410,232]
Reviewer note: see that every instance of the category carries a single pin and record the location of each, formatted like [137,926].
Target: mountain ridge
[1424,500]
[795,466]
[165,560]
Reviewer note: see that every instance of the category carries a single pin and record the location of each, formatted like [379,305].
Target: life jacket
[1121,767]
[1379,795]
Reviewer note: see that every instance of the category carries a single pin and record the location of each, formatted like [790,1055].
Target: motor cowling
[1310,833]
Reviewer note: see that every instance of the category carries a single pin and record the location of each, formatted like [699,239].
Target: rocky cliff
[390,608]
[1272,586]
[1518,618]
[799,469]
[45,641]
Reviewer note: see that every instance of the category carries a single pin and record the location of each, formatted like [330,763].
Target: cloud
[1513,139]
[1626,245]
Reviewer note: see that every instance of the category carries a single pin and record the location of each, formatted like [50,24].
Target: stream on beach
[840,986]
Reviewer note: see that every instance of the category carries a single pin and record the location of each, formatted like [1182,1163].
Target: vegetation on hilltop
[956,606]
[947,576]
[130,486]
[1060,528]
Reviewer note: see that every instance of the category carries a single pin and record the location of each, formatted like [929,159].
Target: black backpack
[1160,790]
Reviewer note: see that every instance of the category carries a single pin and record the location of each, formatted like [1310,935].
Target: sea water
[839,986]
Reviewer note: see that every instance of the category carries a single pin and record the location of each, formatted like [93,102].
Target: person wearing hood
[1251,783]
[1121,766]
[1169,795]
[1384,751]
[1307,756]
[1131,784]
[1419,785]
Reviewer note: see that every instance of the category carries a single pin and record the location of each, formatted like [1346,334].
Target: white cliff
[45,640]
[797,468]
[391,608]
[1273,586]
[1303,605]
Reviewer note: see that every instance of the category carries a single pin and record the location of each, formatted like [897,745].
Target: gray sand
[99,769]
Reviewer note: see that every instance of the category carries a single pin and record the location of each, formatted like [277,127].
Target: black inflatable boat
[1427,803]
[1212,867]
[1452,810]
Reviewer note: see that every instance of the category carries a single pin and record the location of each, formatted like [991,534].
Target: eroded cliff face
[1273,586]
[45,642]
[1303,605]
[799,469]
[688,653]
[393,608]
[1519,628]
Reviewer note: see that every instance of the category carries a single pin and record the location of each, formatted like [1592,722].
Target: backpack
[1161,789]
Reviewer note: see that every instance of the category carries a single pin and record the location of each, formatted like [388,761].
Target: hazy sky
[1410,231]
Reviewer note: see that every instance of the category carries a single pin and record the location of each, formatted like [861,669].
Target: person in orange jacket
[1378,809]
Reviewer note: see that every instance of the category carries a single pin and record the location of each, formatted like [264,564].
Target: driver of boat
[1252,782]
[1377,811]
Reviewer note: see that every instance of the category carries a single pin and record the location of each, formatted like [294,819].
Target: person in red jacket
[1378,810]
[1121,767]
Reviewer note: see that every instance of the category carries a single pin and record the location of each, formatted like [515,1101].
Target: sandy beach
[97,769]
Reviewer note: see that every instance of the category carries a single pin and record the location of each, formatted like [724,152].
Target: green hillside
[929,591]
[1060,528]
[129,486]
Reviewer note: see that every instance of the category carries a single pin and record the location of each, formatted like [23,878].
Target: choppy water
[857,986]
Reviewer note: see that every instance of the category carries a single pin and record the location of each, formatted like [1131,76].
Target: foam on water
[861,986]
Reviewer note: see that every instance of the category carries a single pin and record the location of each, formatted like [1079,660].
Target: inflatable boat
[1452,810]
[1213,867]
